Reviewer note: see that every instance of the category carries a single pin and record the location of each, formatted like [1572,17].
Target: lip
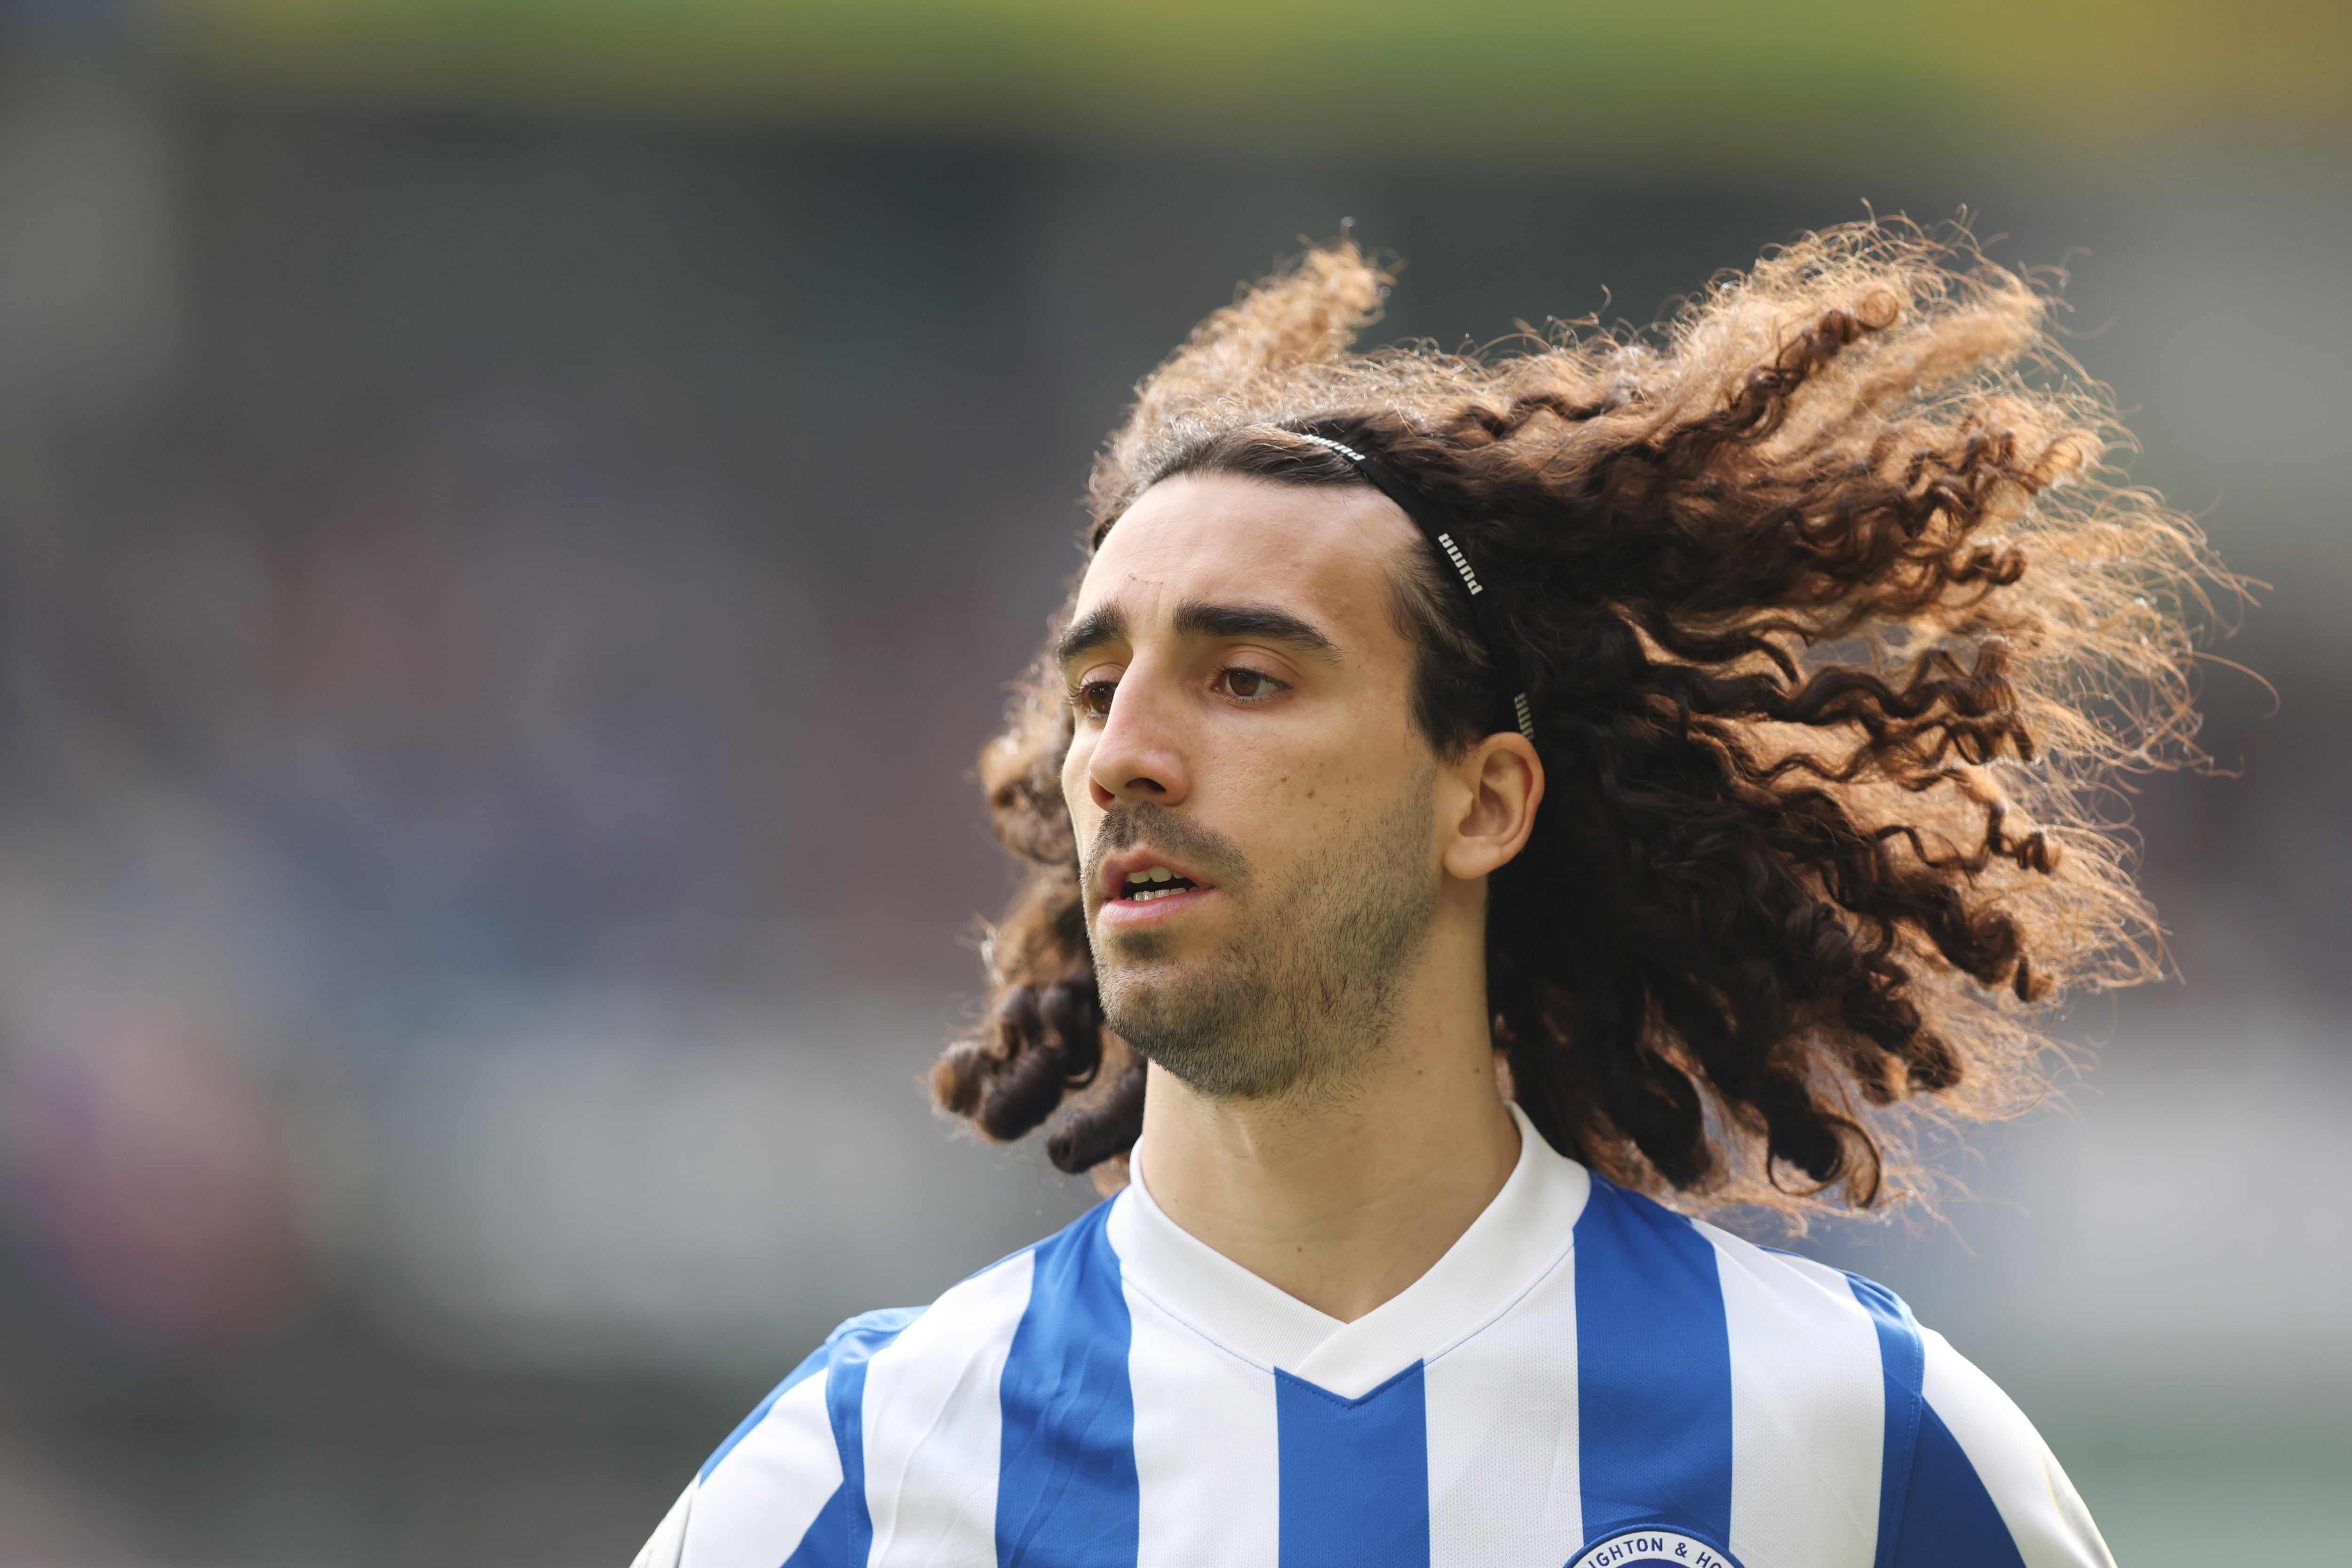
[1118,911]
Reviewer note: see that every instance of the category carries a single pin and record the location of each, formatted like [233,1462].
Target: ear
[1497,784]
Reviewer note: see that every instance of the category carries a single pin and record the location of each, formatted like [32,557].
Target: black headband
[1413,505]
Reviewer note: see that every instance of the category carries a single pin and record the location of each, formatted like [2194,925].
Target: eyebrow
[1259,623]
[1106,624]
[1224,623]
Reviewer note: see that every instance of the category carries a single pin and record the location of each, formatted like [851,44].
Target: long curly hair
[1834,619]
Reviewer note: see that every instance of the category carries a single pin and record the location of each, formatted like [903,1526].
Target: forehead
[1329,553]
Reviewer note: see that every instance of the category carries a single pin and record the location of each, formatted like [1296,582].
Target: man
[1463,797]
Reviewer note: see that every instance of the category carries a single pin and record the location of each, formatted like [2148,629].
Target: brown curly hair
[1833,619]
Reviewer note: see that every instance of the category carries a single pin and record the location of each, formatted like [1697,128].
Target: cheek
[1335,794]
[1285,808]
[1077,796]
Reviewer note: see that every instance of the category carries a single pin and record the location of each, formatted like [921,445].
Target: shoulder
[1779,1355]
[1825,1379]
[1772,1303]
[901,1349]
[1964,1477]
[790,1476]
[976,1319]
[1768,1300]
[774,1491]
[1980,1471]
[887,1350]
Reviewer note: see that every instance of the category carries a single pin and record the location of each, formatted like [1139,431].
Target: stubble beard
[1303,993]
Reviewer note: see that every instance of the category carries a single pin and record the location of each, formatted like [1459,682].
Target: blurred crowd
[495,614]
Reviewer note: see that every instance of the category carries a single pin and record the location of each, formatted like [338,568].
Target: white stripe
[2044,1515]
[934,1428]
[1505,1487]
[1808,1410]
[1206,1453]
[752,1509]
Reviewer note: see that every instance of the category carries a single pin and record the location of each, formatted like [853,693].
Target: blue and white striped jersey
[1585,1378]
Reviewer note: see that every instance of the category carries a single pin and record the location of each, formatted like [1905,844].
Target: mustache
[1204,850]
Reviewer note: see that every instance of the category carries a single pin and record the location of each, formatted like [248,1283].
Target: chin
[1149,999]
[1145,986]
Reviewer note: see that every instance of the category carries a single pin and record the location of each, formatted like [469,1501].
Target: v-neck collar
[1519,1237]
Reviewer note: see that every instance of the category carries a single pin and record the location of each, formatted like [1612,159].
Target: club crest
[1652,1549]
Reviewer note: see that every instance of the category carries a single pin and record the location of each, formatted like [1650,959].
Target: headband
[1413,507]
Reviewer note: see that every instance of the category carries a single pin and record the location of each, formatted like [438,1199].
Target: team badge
[1652,1549]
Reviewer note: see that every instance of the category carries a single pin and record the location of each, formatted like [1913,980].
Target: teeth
[1134,877]
[1161,873]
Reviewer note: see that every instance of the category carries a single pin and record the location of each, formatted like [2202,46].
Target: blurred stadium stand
[514,518]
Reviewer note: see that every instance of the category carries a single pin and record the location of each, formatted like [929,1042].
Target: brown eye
[1094,698]
[1248,683]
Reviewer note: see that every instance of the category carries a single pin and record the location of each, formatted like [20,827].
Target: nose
[1138,754]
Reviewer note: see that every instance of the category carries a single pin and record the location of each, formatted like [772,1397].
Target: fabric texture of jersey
[1585,1378]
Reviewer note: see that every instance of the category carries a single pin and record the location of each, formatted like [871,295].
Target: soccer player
[1483,813]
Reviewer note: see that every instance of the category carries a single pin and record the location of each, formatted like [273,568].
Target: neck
[1343,1199]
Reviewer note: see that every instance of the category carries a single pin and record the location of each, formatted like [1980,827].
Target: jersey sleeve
[773,1492]
[665,1548]
[1984,1490]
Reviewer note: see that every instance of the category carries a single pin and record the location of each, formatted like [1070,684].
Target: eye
[1249,684]
[1093,698]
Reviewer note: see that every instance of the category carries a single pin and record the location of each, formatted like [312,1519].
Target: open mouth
[1138,887]
[1154,883]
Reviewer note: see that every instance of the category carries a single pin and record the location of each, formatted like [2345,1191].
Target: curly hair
[1834,619]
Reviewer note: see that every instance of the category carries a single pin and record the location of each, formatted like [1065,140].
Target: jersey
[1585,1378]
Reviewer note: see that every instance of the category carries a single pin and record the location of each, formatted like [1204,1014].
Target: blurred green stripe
[1511,78]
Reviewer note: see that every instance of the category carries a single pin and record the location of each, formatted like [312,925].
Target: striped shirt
[1585,1378]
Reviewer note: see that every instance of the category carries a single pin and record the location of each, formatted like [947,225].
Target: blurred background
[515,518]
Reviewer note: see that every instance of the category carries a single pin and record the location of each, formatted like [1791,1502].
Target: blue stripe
[1066,1495]
[825,1542]
[1949,1520]
[893,1318]
[1652,1370]
[853,1345]
[1355,1473]
[1903,1361]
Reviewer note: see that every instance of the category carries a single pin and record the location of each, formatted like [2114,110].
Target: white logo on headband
[1460,562]
[1348,452]
[1444,540]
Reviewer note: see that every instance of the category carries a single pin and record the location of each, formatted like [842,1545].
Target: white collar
[1520,1238]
